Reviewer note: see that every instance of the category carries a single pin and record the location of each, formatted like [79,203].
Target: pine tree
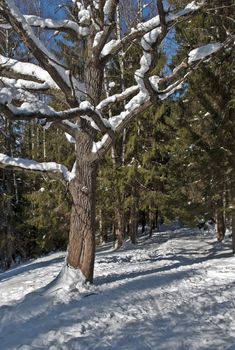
[207,117]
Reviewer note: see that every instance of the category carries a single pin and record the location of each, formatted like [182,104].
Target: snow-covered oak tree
[91,123]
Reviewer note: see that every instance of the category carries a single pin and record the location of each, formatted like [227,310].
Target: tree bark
[119,227]
[102,229]
[152,220]
[220,224]
[232,184]
[233,231]
[143,221]
[81,247]
[133,221]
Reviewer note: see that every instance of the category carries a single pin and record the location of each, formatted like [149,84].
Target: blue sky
[50,8]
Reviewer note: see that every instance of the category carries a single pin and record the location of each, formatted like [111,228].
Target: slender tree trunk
[102,228]
[232,183]
[232,207]
[9,180]
[143,221]
[119,226]
[9,218]
[152,220]
[220,223]
[133,221]
[233,231]
[157,221]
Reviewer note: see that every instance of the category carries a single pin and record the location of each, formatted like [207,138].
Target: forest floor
[175,291]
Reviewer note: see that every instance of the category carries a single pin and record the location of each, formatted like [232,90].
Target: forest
[117,175]
[170,160]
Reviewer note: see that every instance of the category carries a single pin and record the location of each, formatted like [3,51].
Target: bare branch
[162,16]
[67,127]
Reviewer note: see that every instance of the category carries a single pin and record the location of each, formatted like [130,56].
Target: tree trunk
[220,225]
[232,207]
[152,220]
[81,248]
[233,231]
[133,221]
[119,226]
[157,221]
[8,214]
[102,228]
[232,184]
[143,222]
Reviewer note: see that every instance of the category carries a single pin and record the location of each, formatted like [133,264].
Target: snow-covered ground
[175,291]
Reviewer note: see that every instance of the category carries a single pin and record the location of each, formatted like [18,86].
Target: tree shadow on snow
[180,260]
[4,276]
[38,315]
[81,323]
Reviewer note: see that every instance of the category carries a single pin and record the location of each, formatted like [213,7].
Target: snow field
[173,292]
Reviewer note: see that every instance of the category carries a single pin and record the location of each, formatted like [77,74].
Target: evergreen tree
[207,118]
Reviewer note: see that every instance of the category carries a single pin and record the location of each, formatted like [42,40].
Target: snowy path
[176,291]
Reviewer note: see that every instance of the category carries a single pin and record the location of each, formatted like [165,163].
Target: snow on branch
[27,69]
[195,58]
[38,110]
[136,106]
[49,23]
[117,98]
[113,46]
[152,32]
[118,124]
[103,45]
[50,168]
[141,101]
[41,111]
[203,52]
[61,25]
[106,24]
[58,73]
[24,84]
